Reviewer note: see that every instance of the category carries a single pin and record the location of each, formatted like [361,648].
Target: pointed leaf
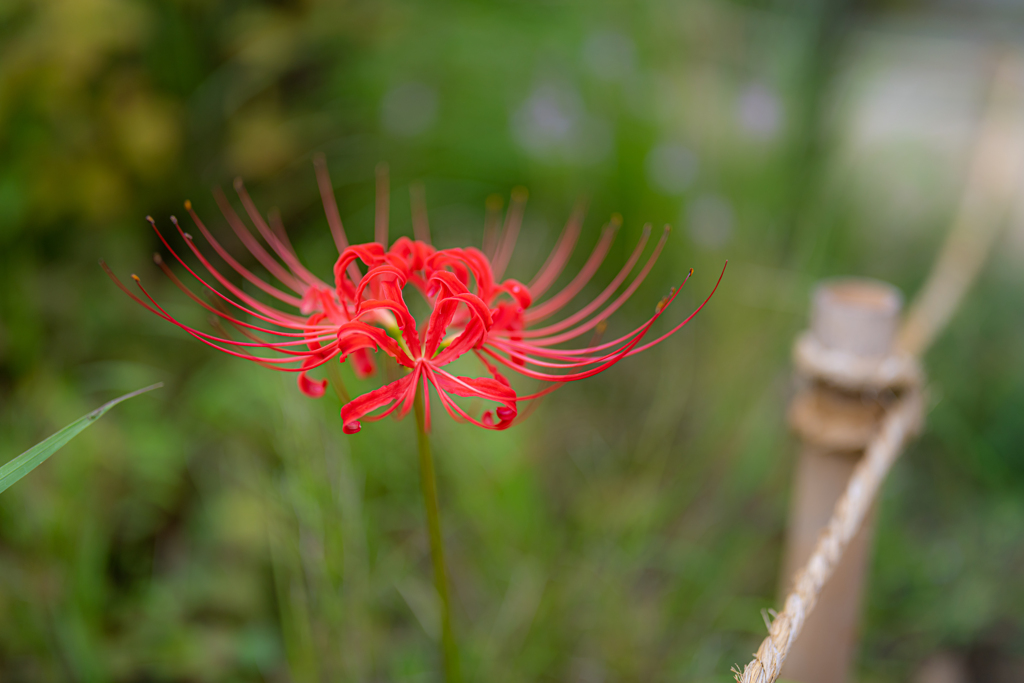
[35,456]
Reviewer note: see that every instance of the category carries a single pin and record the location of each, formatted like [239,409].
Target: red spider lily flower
[502,322]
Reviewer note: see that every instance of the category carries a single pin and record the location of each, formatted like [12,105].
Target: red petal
[362,363]
[478,387]
[310,387]
[394,395]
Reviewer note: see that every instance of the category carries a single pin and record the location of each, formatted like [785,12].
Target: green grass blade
[35,456]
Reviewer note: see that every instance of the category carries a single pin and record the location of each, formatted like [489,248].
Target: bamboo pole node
[849,371]
[844,370]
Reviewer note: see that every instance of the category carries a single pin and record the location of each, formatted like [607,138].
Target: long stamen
[594,262]
[277,226]
[216,325]
[253,245]
[687,319]
[520,348]
[604,296]
[492,224]
[158,260]
[661,308]
[251,301]
[273,346]
[242,270]
[267,314]
[534,402]
[286,255]
[509,234]
[245,330]
[206,338]
[611,308]
[612,360]
[552,268]
[520,351]
[380,215]
[323,181]
[420,223]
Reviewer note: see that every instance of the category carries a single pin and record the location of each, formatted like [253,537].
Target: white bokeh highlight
[554,125]
[760,112]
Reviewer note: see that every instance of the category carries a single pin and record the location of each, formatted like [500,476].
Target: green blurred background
[223,528]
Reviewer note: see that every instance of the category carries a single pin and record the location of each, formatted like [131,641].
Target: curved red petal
[310,387]
[362,363]
[394,395]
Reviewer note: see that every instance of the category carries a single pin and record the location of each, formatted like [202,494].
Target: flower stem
[428,483]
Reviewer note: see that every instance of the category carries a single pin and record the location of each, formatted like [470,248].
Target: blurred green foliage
[226,530]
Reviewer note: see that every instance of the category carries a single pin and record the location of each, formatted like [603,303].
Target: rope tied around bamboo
[848,368]
[858,394]
[892,381]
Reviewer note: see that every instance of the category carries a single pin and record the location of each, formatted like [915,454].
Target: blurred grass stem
[337,383]
[428,483]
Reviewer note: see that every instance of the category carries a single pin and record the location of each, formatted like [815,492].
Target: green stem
[428,483]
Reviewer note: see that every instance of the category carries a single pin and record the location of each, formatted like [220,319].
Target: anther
[157,258]
[664,302]
[135,277]
[495,202]
[174,219]
[150,219]
[616,219]
[188,205]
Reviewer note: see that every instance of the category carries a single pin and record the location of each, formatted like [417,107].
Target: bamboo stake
[855,319]
[900,423]
[995,176]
